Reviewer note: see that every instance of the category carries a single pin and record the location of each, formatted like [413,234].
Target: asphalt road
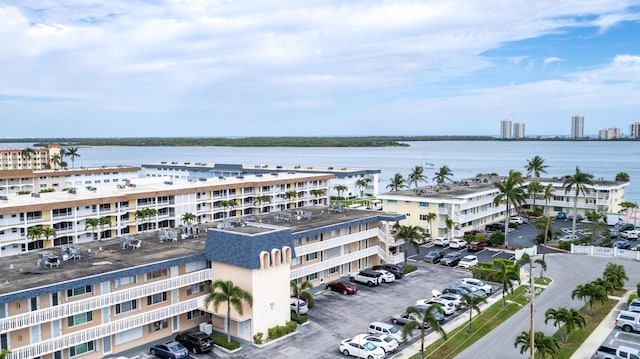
[567,272]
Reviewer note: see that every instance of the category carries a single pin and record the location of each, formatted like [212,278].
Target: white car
[387,277]
[387,343]
[300,307]
[456,299]
[361,349]
[468,261]
[441,241]
[448,307]
[631,235]
[457,243]
[479,284]
[568,237]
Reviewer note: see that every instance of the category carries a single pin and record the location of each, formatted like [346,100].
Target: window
[157,274]
[423,217]
[194,314]
[312,277]
[392,201]
[4,341]
[312,256]
[125,281]
[78,291]
[195,288]
[424,204]
[80,319]
[126,306]
[159,325]
[81,349]
[157,298]
[334,270]
[332,252]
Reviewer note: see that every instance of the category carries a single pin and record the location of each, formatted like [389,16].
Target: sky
[130,68]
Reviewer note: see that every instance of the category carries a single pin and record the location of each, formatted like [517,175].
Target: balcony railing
[61,311]
[392,258]
[335,242]
[101,331]
[332,262]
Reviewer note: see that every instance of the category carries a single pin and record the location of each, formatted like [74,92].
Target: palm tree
[449,223]
[27,153]
[426,319]
[226,292]
[505,274]
[410,234]
[188,218]
[261,199]
[72,153]
[228,203]
[568,318]
[362,183]
[291,196]
[141,215]
[443,174]
[536,166]
[615,274]
[577,183]
[340,189]
[317,193]
[605,284]
[589,292]
[511,193]
[397,182]
[34,233]
[545,346]
[547,196]
[416,176]
[4,353]
[431,217]
[49,233]
[533,188]
[526,259]
[149,213]
[623,177]
[92,223]
[298,289]
[472,303]
[55,161]
[104,222]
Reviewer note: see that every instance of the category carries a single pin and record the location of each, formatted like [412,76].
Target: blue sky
[84,68]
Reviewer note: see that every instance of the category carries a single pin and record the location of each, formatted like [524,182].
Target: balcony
[335,242]
[443,211]
[101,331]
[333,262]
[392,259]
[61,311]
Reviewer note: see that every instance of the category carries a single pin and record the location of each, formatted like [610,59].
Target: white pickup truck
[612,353]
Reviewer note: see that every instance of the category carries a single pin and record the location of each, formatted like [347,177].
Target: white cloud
[550,60]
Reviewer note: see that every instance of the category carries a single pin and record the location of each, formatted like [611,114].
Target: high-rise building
[635,130]
[577,127]
[505,129]
[518,130]
[610,133]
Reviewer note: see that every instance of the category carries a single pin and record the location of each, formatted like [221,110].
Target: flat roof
[249,168]
[30,173]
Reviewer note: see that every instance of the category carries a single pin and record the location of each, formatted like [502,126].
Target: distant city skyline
[323,68]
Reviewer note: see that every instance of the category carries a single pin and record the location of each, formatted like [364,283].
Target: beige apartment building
[30,158]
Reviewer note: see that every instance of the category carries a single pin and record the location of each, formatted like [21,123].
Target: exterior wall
[40,158]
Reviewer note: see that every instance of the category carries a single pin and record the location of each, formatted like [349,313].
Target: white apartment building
[611,133]
[518,130]
[577,127]
[505,129]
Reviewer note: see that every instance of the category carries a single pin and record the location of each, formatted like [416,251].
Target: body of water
[603,159]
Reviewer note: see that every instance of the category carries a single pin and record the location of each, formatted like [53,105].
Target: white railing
[335,242]
[333,262]
[444,211]
[606,252]
[101,331]
[101,301]
[393,241]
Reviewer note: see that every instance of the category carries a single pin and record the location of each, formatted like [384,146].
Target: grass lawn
[578,336]
[543,281]
[458,339]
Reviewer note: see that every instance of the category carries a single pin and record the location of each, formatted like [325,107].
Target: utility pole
[533,295]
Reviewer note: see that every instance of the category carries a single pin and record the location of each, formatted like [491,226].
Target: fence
[606,252]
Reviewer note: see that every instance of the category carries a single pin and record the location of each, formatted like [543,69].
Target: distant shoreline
[364,141]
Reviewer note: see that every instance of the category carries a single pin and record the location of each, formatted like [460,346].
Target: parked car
[386,342]
[451,259]
[196,341]
[441,241]
[387,277]
[568,237]
[475,247]
[478,283]
[561,215]
[343,287]
[468,261]
[456,299]
[367,276]
[628,321]
[361,349]
[492,227]
[456,290]
[434,256]
[169,350]
[473,290]
[623,352]
[385,328]
[457,243]
[404,318]
[299,307]
[620,227]
[448,307]
[631,235]
[622,244]
[397,270]
[518,220]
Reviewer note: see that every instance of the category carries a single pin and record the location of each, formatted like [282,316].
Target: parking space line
[512,257]
[628,341]
[497,254]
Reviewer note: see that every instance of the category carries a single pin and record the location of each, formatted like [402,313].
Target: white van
[385,328]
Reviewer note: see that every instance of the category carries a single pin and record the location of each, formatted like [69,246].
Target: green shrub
[566,245]
[496,239]
[258,337]
[308,297]
[638,289]
[281,330]
[21,193]
[47,190]
[298,318]
[290,327]
[513,225]
[222,341]
[410,268]
[632,297]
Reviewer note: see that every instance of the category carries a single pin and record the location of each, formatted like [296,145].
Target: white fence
[606,252]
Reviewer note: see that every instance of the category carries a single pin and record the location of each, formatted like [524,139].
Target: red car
[475,247]
[343,287]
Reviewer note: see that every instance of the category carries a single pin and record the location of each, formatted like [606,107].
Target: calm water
[465,158]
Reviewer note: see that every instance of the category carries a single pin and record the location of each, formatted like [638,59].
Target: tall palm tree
[291,196]
[426,319]
[140,215]
[72,153]
[615,274]
[226,292]
[443,174]
[511,193]
[536,166]
[397,182]
[297,290]
[227,204]
[605,284]
[49,234]
[92,223]
[411,235]
[34,233]
[533,188]
[362,183]
[590,293]
[104,222]
[340,189]
[547,195]
[188,218]
[317,193]
[545,346]
[264,198]
[566,319]
[149,213]
[431,217]
[416,176]
[55,161]
[524,260]
[27,153]
[472,303]
[505,274]
[578,183]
